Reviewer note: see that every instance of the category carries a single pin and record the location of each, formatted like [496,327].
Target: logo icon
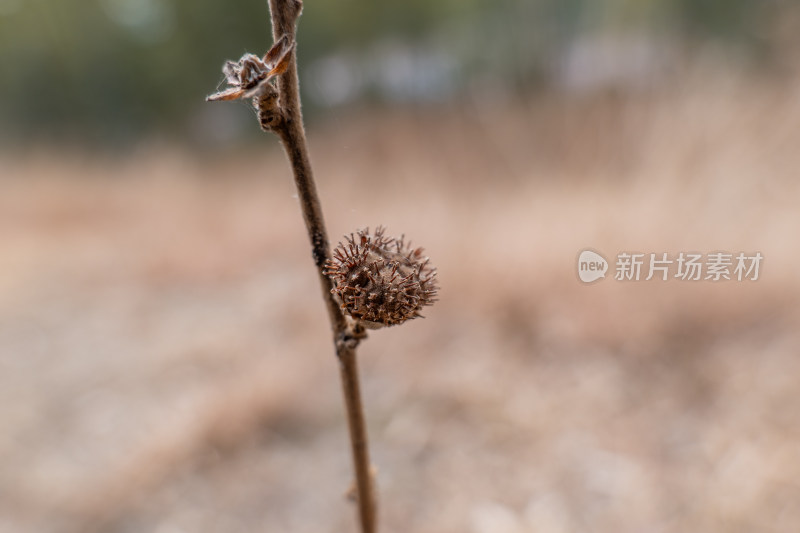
[591,266]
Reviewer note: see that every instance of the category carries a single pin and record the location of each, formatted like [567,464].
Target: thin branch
[292,134]
[347,334]
[365,496]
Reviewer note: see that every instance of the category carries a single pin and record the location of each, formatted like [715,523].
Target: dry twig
[279,111]
[374,281]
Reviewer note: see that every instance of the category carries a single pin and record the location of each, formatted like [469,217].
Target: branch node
[350,337]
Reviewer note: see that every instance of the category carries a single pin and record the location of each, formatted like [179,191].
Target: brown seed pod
[381,281]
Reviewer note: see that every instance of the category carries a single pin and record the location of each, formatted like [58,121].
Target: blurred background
[165,357]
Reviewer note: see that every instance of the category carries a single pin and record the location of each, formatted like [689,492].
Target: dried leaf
[233,93]
[277,51]
[283,63]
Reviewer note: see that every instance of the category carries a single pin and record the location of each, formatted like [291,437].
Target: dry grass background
[165,362]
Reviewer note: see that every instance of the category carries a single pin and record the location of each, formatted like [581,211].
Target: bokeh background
[165,357]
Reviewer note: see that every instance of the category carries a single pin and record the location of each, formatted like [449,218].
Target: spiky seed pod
[381,281]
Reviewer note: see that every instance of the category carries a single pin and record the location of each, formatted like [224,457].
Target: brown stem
[284,15]
[365,497]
